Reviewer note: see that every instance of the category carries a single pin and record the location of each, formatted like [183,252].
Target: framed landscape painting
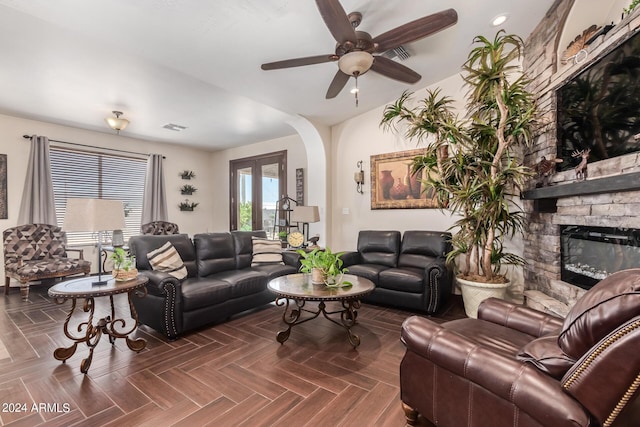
[394,187]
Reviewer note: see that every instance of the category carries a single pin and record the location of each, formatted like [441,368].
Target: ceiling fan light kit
[355,63]
[117,123]
[355,49]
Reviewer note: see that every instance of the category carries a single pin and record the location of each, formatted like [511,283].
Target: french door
[256,185]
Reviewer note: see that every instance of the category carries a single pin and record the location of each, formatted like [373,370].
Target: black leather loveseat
[220,280]
[409,272]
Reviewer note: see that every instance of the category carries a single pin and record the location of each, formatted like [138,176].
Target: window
[98,176]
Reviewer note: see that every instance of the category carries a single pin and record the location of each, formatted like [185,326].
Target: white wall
[219,166]
[178,158]
[357,139]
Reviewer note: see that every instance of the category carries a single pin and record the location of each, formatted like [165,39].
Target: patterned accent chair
[160,228]
[38,252]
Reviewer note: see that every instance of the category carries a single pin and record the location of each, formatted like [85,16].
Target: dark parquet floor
[232,374]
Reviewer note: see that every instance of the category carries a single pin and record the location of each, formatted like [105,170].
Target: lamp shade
[94,215]
[305,214]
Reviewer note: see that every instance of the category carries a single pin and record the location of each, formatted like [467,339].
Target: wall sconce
[358,177]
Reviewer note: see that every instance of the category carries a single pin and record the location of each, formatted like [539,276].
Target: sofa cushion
[500,340]
[167,259]
[141,245]
[407,279]
[243,282]
[609,304]
[242,242]
[419,248]
[204,292]
[379,247]
[368,271]
[275,270]
[54,266]
[266,251]
[547,356]
[215,253]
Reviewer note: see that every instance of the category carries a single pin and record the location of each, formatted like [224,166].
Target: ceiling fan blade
[336,20]
[394,70]
[338,82]
[298,62]
[415,30]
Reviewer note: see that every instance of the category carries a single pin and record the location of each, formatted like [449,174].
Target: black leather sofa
[220,280]
[409,271]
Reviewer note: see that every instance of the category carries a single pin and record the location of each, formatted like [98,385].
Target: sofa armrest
[291,258]
[518,317]
[438,280]
[78,250]
[351,258]
[158,281]
[533,391]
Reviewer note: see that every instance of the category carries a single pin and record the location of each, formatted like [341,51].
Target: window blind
[77,173]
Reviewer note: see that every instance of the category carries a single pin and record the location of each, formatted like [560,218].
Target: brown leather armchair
[515,366]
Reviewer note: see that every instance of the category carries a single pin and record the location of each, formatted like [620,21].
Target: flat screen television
[599,109]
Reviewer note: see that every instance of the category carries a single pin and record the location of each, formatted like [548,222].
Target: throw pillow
[547,356]
[266,252]
[167,259]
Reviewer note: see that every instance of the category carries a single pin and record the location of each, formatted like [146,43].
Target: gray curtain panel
[154,202]
[38,205]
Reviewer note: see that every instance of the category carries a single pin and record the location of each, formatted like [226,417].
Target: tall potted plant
[475,165]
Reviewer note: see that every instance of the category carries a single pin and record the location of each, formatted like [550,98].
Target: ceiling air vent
[397,54]
[174,127]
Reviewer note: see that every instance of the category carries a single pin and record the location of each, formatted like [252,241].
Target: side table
[110,325]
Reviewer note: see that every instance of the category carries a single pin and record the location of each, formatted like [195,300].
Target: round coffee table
[299,289]
[85,288]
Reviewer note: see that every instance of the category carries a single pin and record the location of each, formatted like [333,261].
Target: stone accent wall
[543,287]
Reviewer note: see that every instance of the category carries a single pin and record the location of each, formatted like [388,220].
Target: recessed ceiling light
[500,19]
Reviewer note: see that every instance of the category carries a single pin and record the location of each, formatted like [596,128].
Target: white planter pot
[473,293]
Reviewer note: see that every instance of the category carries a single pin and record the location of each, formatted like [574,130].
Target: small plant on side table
[325,267]
[124,265]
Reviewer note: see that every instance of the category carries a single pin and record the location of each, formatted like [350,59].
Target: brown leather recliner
[515,366]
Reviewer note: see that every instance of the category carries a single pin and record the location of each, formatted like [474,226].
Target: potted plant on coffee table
[474,165]
[324,266]
[124,265]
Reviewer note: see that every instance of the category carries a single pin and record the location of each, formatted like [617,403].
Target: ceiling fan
[354,49]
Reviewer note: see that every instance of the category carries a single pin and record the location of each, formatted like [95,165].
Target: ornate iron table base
[292,317]
[108,325]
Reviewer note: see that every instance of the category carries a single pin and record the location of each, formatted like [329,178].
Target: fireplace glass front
[589,254]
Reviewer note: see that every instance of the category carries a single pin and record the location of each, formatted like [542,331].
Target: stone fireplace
[607,203]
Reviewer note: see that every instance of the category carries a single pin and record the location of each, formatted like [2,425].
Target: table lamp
[95,215]
[305,215]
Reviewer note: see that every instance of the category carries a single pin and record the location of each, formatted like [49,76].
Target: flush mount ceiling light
[499,19]
[116,123]
[354,64]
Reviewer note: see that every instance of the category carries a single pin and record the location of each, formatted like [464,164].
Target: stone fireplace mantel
[611,195]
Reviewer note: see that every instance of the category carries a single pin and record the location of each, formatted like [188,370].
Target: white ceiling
[197,63]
